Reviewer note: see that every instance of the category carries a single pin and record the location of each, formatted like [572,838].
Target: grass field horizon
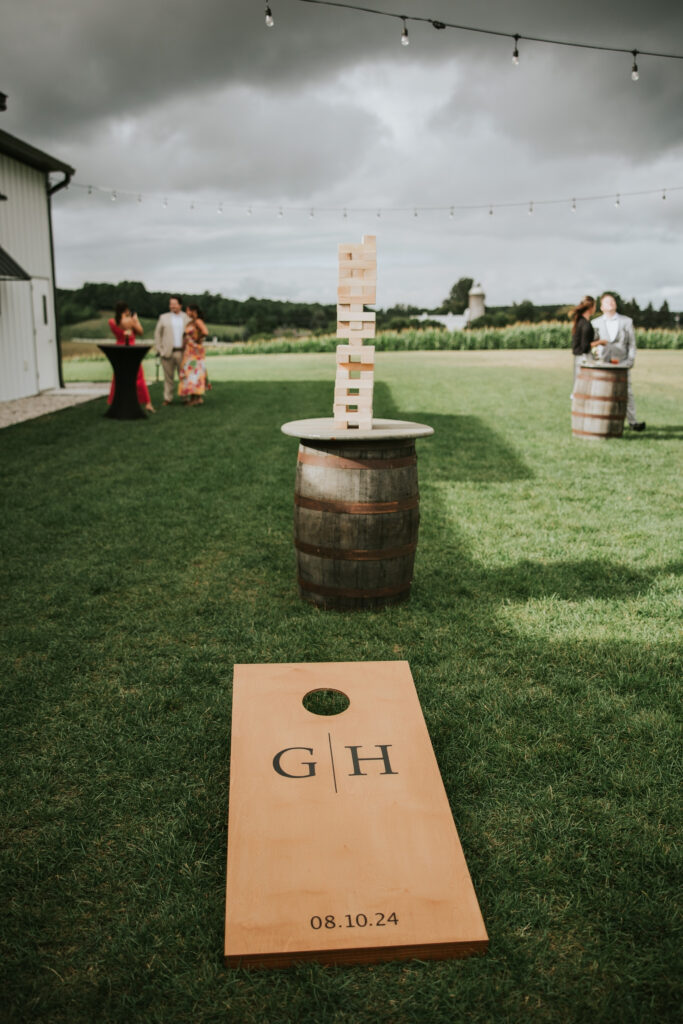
[144,559]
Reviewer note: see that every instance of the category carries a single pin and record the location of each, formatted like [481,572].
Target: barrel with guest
[604,350]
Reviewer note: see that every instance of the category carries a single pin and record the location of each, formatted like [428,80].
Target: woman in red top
[124,321]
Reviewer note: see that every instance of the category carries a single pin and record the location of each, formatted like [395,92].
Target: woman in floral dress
[192,384]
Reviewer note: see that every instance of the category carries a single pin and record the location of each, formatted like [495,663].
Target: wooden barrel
[599,402]
[356,521]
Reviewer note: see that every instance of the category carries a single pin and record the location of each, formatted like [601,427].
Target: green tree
[458,297]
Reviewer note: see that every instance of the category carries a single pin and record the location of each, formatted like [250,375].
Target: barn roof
[10,269]
[26,154]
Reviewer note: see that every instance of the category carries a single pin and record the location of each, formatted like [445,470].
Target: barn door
[44,334]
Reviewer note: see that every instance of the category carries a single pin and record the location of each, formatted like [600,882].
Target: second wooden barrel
[599,402]
[356,521]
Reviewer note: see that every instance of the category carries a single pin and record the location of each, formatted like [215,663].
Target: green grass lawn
[143,559]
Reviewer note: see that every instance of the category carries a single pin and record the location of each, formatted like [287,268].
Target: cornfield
[519,336]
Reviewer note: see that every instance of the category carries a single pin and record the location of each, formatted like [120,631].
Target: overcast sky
[202,104]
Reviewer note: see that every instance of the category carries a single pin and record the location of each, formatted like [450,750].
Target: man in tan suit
[168,342]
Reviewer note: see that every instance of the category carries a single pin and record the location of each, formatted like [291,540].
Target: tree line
[267,316]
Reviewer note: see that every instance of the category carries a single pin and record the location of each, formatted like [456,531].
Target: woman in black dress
[582,331]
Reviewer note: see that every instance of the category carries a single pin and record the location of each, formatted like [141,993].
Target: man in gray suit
[168,342]
[616,333]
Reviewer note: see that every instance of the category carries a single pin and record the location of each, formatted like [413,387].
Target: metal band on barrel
[361,508]
[596,416]
[337,462]
[360,555]
[324,591]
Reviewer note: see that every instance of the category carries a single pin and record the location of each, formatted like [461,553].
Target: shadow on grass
[465,448]
[655,433]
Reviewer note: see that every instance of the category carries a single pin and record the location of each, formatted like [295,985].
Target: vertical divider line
[334,774]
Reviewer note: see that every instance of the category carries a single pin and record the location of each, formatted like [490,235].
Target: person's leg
[168,364]
[577,360]
[631,417]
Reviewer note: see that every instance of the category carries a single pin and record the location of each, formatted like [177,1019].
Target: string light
[515,52]
[634,70]
[416,210]
[437,24]
[270,20]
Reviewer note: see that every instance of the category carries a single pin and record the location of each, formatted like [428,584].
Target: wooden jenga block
[357,291]
[346,353]
[346,313]
[351,335]
[361,269]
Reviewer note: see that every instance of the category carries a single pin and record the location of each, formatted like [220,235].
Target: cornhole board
[341,843]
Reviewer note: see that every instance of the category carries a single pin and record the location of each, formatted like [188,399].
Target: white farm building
[29,349]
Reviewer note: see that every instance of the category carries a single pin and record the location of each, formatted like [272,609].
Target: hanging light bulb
[379,214]
[415,212]
[405,40]
[490,211]
[270,20]
[165,204]
[573,205]
[280,212]
[192,205]
[249,211]
[451,212]
[219,208]
[663,193]
[89,190]
[515,52]
[531,209]
[139,197]
[617,201]
[114,196]
[344,214]
[312,213]
[634,70]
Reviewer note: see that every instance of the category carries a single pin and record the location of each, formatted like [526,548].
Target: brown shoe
[166,403]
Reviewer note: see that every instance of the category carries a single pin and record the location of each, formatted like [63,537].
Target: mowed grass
[142,560]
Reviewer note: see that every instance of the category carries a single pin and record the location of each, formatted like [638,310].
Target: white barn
[29,349]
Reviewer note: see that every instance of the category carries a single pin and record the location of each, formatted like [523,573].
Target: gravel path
[49,401]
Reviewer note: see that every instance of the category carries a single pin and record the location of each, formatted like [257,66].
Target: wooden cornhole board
[341,843]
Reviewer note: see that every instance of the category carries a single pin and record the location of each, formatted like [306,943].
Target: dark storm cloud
[70,62]
[328,109]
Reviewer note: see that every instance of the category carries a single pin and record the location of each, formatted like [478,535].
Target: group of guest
[611,338]
[179,342]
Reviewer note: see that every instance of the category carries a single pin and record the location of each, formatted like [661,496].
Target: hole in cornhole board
[326,702]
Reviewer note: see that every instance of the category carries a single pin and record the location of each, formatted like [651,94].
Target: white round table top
[323,429]
[593,364]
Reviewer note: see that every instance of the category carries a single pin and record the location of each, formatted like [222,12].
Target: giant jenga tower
[355,361]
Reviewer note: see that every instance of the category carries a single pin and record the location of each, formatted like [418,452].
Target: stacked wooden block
[355,361]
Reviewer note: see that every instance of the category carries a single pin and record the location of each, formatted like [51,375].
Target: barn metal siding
[25,234]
